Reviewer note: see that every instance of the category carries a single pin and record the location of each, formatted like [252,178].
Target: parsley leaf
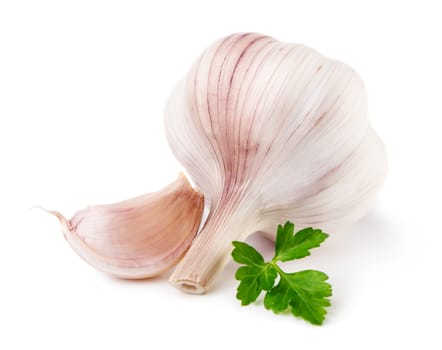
[253,280]
[289,246]
[304,293]
[246,254]
[255,276]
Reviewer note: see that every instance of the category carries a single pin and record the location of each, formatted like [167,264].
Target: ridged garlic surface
[270,131]
[140,237]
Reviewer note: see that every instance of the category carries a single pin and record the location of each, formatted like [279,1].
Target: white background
[82,90]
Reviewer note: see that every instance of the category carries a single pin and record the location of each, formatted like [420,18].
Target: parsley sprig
[304,293]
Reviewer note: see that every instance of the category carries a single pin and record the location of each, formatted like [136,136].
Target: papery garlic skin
[140,237]
[269,132]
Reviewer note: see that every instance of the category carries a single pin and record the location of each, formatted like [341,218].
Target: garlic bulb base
[190,287]
[211,248]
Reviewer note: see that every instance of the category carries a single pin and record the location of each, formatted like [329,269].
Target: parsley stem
[276,267]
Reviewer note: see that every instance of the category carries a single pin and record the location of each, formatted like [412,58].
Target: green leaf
[246,254]
[305,291]
[289,246]
[249,288]
[283,237]
[254,279]
[279,297]
[267,277]
[255,276]
[311,295]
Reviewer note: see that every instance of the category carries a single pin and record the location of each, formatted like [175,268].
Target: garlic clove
[140,237]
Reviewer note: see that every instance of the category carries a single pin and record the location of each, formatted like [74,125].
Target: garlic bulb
[269,132]
[140,237]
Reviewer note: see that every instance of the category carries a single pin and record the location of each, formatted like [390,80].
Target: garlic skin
[270,132]
[140,237]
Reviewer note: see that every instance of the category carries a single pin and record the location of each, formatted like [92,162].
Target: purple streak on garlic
[140,237]
[269,132]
